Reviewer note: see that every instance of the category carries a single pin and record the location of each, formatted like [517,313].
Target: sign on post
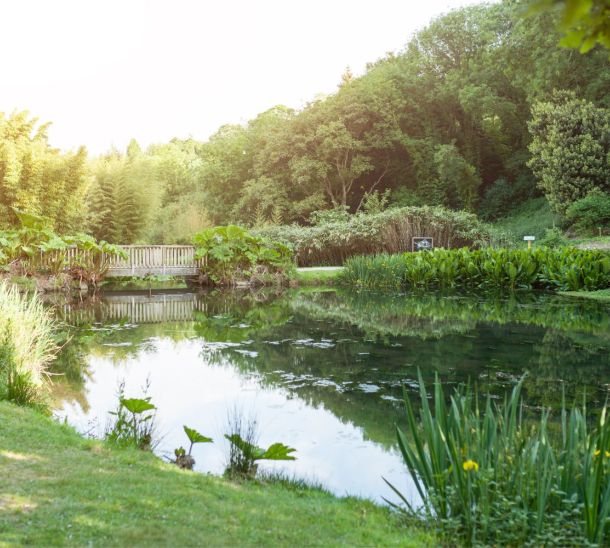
[529,240]
[424,243]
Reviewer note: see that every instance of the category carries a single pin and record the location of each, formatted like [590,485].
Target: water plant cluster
[34,248]
[233,255]
[133,425]
[561,269]
[335,237]
[489,473]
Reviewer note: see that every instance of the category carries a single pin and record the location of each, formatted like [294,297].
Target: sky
[106,71]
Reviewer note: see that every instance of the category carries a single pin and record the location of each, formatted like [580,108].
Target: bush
[591,212]
[545,268]
[553,237]
[488,474]
[331,243]
[232,254]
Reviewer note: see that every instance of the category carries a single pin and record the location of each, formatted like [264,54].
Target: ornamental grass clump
[491,474]
[27,346]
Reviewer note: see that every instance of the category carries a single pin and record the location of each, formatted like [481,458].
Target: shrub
[503,196]
[331,243]
[232,254]
[563,269]
[591,212]
[489,474]
[553,237]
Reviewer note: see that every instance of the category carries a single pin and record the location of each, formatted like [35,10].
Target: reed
[26,341]
[491,474]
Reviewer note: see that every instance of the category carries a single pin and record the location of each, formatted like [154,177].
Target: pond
[321,370]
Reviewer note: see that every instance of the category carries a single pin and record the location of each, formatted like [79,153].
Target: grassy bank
[58,488]
[602,295]
[318,276]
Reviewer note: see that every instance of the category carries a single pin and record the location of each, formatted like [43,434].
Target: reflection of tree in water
[572,363]
[353,352]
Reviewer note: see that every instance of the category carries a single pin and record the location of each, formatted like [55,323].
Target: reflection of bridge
[165,307]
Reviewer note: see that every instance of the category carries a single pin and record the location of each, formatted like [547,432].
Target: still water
[320,370]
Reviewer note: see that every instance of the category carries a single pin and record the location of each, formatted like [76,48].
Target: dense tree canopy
[444,122]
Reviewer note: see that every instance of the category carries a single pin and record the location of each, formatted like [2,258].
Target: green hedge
[331,243]
[563,269]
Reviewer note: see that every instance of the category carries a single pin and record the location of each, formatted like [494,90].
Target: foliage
[532,218]
[553,237]
[183,459]
[331,243]
[591,212]
[503,196]
[584,23]
[570,148]
[244,453]
[132,423]
[231,254]
[562,268]
[490,475]
[38,179]
[27,345]
[35,248]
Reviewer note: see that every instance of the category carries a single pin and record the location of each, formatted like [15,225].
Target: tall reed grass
[391,231]
[563,268]
[488,474]
[26,343]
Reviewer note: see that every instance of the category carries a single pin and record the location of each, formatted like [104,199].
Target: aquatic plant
[244,453]
[133,422]
[183,459]
[491,474]
[561,268]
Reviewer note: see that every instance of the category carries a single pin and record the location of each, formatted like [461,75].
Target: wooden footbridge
[140,261]
[155,260]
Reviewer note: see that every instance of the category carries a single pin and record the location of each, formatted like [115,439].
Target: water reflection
[323,370]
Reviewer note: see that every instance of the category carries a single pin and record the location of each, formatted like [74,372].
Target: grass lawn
[57,488]
[602,295]
[318,276]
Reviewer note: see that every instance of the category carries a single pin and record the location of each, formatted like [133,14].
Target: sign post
[424,243]
[529,240]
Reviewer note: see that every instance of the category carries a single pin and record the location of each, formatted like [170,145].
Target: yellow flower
[596,454]
[606,454]
[470,465]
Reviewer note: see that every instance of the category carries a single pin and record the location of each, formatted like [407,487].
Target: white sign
[529,238]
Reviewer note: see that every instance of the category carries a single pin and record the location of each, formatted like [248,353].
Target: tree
[584,23]
[570,148]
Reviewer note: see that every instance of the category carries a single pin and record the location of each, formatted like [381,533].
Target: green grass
[317,276]
[57,488]
[153,282]
[530,218]
[602,295]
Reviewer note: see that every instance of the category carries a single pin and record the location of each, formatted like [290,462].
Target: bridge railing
[141,260]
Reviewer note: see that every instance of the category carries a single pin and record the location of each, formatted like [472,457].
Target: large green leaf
[136,406]
[196,437]
[279,451]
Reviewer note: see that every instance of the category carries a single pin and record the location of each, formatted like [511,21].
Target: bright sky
[104,71]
